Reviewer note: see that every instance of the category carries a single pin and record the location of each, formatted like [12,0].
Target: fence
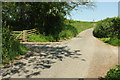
[22,35]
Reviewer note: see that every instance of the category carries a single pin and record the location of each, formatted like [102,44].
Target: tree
[47,17]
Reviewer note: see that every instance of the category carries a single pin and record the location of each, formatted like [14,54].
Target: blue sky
[101,11]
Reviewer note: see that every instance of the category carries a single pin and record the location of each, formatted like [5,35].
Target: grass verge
[114,41]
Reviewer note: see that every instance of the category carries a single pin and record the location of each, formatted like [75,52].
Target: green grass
[81,26]
[70,30]
[111,40]
[39,38]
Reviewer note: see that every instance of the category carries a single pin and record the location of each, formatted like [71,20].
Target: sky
[101,11]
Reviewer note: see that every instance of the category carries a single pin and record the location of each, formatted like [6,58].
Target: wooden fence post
[25,35]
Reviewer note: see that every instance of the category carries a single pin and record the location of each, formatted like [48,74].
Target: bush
[107,27]
[68,32]
[108,31]
[113,74]
[10,47]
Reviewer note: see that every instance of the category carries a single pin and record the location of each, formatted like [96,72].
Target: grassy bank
[71,29]
[114,41]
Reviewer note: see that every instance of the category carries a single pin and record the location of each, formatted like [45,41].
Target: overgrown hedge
[10,47]
[109,30]
[107,27]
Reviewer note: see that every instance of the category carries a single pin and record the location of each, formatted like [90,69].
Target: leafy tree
[47,17]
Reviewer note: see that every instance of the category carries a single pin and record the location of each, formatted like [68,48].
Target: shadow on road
[42,56]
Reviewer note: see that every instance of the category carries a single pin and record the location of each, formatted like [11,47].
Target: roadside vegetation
[48,18]
[113,73]
[108,31]
[70,29]
[11,48]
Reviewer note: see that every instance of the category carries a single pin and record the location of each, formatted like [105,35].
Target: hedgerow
[108,30]
[10,47]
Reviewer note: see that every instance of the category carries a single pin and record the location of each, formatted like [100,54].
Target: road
[81,57]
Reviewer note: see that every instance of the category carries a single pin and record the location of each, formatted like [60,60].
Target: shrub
[107,27]
[113,74]
[10,47]
[68,32]
[108,31]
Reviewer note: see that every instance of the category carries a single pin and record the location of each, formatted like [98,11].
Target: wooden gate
[20,35]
